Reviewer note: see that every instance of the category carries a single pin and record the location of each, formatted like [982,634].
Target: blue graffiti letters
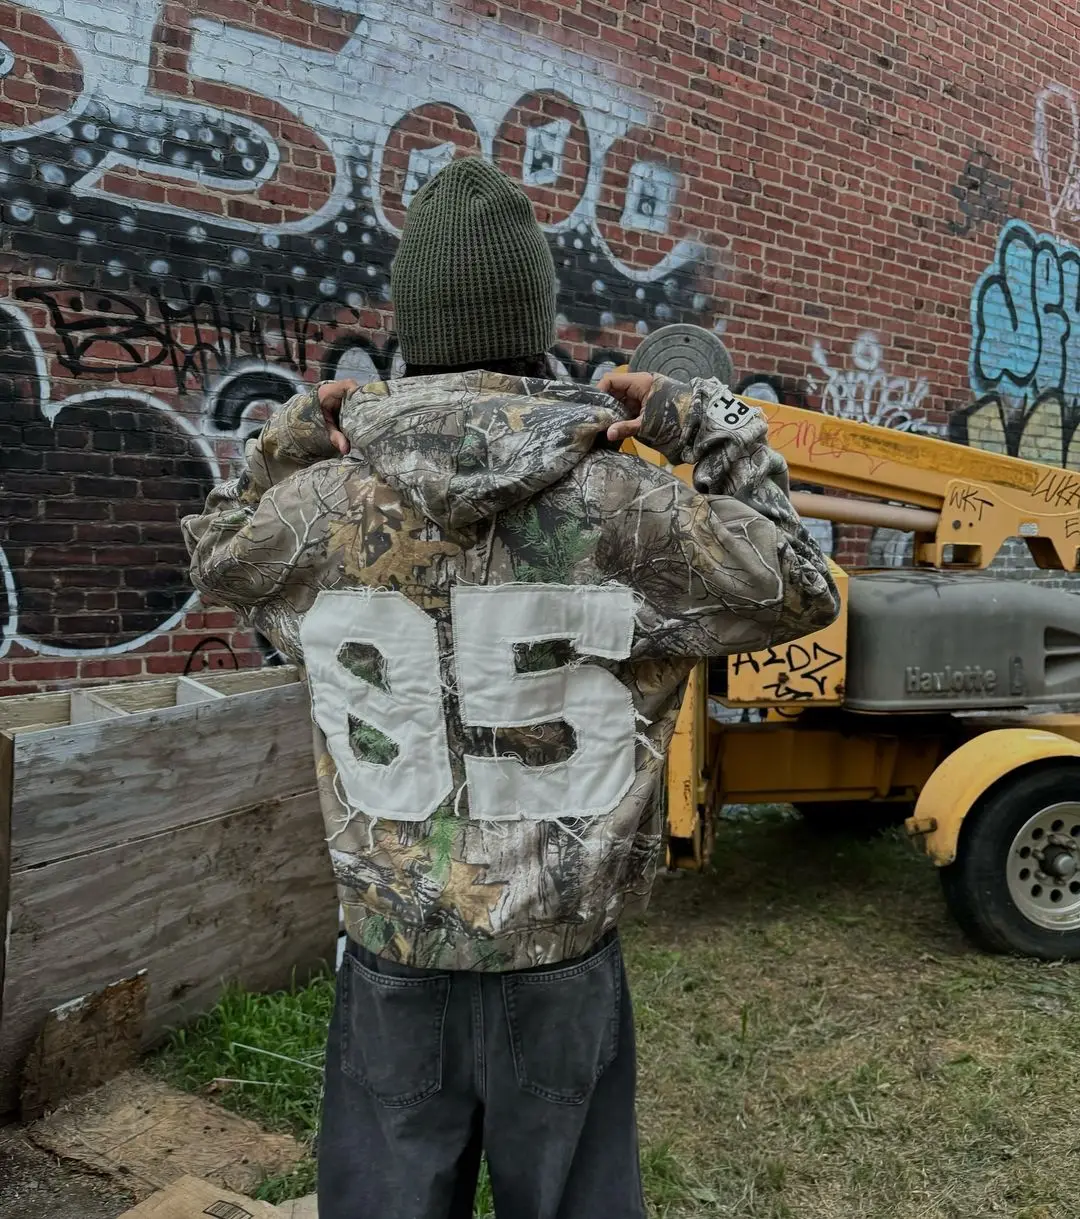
[1025,319]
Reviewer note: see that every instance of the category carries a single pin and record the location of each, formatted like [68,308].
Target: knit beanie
[473,279]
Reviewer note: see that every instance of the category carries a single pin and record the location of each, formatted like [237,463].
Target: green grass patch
[815,1040]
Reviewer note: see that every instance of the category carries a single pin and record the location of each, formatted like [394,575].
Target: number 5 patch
[407,706]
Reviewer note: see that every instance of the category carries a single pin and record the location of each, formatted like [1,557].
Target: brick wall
[877,206]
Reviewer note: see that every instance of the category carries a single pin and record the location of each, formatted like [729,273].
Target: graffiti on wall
[204,201]
[866,391]
[982,194]
[1024,364]
[1056,148]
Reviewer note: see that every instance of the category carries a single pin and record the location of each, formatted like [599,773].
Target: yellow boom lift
[939,697]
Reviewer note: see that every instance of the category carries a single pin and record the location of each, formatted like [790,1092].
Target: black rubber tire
[975,886]
[853,818]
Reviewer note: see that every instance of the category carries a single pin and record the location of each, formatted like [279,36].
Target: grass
[816,1040]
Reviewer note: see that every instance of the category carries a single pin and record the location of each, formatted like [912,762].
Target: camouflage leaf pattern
[486,479]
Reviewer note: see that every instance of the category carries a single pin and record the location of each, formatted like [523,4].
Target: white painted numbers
[408,706]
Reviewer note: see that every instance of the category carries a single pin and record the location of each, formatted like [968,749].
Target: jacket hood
[462,447]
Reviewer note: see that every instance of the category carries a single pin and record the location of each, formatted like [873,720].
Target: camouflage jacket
[497,613]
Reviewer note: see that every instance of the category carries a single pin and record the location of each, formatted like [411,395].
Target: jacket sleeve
[724,566]
[231,527]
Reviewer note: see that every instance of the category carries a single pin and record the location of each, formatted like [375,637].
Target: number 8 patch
[407,705]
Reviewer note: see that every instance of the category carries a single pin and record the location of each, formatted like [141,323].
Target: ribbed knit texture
[473,279]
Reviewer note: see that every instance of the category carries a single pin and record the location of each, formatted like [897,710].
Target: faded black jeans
[426,1070]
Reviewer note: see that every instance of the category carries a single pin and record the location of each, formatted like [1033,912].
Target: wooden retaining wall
[171,826]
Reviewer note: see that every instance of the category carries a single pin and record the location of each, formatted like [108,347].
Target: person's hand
[630,389]
[331,397]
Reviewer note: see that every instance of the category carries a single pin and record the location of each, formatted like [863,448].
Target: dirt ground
[36,1185]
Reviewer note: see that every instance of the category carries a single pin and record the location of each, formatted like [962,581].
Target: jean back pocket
[564,1024]
[392,1032]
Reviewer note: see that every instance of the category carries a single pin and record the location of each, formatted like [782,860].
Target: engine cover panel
[940,641]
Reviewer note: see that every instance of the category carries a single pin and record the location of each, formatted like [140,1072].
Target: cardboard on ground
[190,1198]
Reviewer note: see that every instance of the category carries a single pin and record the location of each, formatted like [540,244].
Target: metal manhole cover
[683,351]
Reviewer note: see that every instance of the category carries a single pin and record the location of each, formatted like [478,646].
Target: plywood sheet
[139,695]
[241,681]
[247,896]
[77,789]
[300,1208]
[148,1135]
[83,1044]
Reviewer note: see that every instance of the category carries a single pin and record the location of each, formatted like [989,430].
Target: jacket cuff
[662,417]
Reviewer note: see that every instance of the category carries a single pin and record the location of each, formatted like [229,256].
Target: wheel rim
[1044,867]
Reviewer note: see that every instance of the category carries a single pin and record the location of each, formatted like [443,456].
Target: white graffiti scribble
[866,392]
[353,98]
[219,277]
[1066,199]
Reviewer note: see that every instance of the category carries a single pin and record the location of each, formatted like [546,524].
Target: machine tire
[976,885]
[853,818]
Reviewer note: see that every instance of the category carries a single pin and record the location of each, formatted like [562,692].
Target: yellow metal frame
[968,773]
[786,763]
[688,789]
[977,500]
[983,498]
[809,671]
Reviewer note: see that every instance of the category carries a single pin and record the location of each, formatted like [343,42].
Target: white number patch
[488,622]
[409,710]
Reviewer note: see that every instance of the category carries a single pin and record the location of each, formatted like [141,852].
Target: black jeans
[535,1068]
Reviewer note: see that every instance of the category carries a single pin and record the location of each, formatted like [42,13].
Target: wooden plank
[189,691]
[241,681]
[88,708]
[248,896]
[77,789]
[19,709]
[140,695]
[83,1044]
[6,751]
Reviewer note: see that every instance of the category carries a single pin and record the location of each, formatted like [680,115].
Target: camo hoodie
[497,613]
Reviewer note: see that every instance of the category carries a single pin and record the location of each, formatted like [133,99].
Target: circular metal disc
[683,351]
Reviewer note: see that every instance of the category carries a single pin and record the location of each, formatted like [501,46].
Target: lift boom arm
[968,501]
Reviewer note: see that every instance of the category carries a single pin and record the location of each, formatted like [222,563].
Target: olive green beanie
[473,279]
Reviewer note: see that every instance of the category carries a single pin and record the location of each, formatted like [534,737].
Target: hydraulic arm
[967,502]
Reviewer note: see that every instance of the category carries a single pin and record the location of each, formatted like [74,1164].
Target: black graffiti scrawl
[200,203]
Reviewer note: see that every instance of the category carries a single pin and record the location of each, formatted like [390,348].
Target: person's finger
[331,399]
[625,428]
[631,389]
[337,437]
[332,394]
[617,384]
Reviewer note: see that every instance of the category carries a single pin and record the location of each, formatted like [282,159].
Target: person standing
[497,611]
